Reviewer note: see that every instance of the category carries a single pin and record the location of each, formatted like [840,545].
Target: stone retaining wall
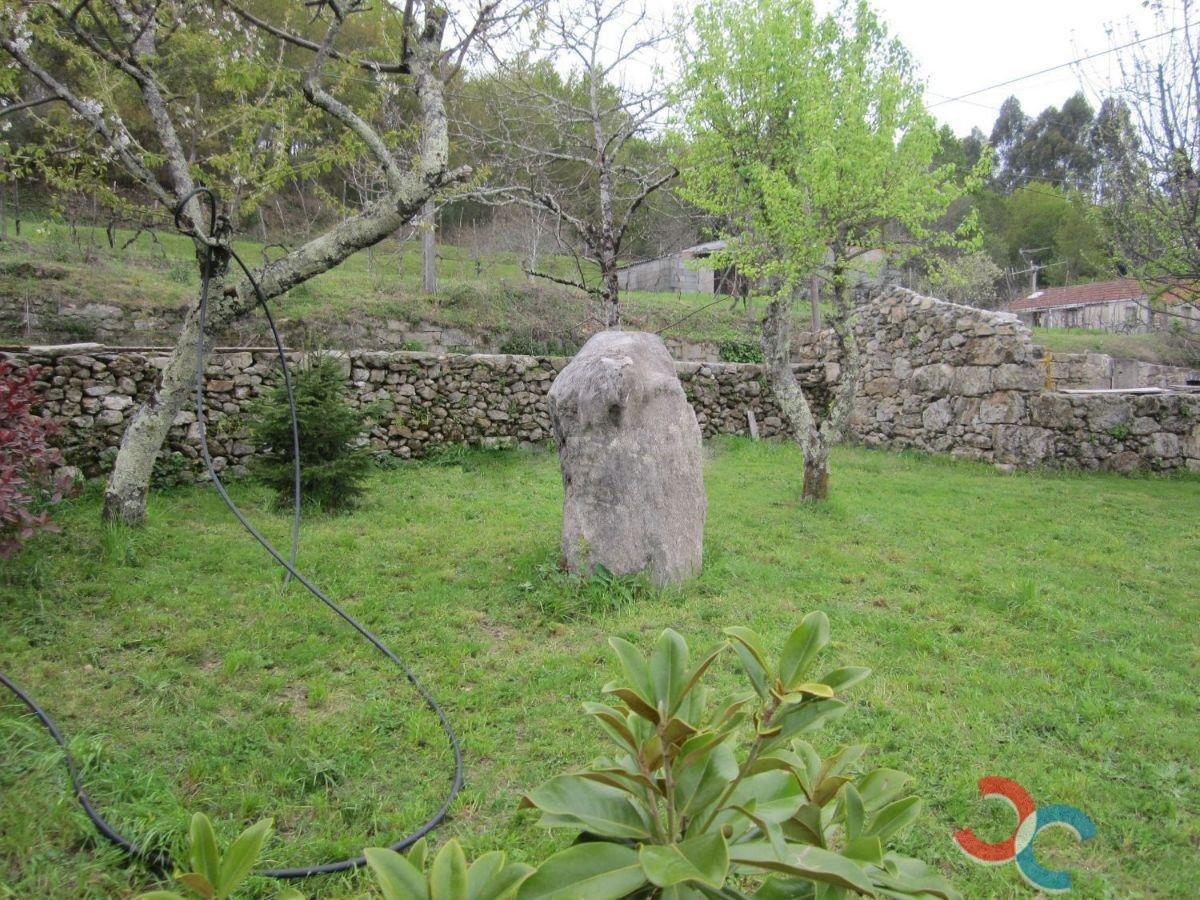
[426,399]
[935,376]
[1103,372]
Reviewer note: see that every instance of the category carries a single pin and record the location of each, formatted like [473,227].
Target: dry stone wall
[968,382]
[935,376]
[1098,371]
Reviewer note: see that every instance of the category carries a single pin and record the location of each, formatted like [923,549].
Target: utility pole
[429,248]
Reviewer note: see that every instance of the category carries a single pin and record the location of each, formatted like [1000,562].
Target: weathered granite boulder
[629,445]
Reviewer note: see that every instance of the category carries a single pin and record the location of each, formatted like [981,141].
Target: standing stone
[632,471]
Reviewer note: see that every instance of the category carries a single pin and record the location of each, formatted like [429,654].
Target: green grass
[487,292]
[1041,626]
[1153,348]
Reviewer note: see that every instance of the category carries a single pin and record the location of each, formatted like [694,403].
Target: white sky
[963,45]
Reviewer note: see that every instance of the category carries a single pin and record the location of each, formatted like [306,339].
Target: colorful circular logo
[1018,846]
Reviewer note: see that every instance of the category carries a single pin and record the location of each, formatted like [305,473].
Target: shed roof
[1081,295]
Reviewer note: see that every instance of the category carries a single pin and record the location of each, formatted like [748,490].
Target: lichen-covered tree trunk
[777,354]
[408,191]
[129,483]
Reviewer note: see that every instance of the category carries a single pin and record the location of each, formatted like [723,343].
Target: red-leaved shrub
[28,464]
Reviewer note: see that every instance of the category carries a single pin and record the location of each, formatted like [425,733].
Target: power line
[1073,62]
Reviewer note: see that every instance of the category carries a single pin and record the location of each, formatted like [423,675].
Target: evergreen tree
[1007,135]
[1055,146]
[333,464]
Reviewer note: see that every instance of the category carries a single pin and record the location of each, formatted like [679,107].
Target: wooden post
[814,292]
[429,248]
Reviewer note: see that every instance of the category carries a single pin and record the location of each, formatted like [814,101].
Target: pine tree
[333,463]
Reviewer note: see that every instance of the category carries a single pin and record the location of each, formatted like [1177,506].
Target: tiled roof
[1080,294]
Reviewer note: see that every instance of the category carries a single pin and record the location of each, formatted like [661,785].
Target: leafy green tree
[810,134]
[1040,223]
[962,153]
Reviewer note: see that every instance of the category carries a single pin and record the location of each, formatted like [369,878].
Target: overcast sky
[963,45]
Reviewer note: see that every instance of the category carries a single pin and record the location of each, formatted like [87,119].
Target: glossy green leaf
[202,849]
[733,714]
[418,854]
[809,689]
[697,745]
[843,679]
[801,649]
[603,809]
[490,878]
[808,717]
[775,888]
[613,723]
[771,831]
[694,891]
[699,671]
[700,783]
[895,818]
[239,860]
[677,731]
[748,647]
[903,876]
[668,670]
[703,859]
[596,871]
[853,811]
[633,700]
[828,789]
[811,863]
[880,787]
[628,782]
[841,762]
[398,878]
[865,849]
[775,796]
[633,664]
[448,874]
[812,765]
[805,826]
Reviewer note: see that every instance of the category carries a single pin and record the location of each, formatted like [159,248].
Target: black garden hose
[217,241]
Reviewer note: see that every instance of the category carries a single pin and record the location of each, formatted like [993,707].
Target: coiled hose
[216,240]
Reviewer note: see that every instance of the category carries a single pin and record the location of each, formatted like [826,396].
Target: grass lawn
[487,292]
[1042,627]
[1152,348]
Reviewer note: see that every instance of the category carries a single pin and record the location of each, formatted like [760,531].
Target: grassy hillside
[1153,348]
[486,292]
